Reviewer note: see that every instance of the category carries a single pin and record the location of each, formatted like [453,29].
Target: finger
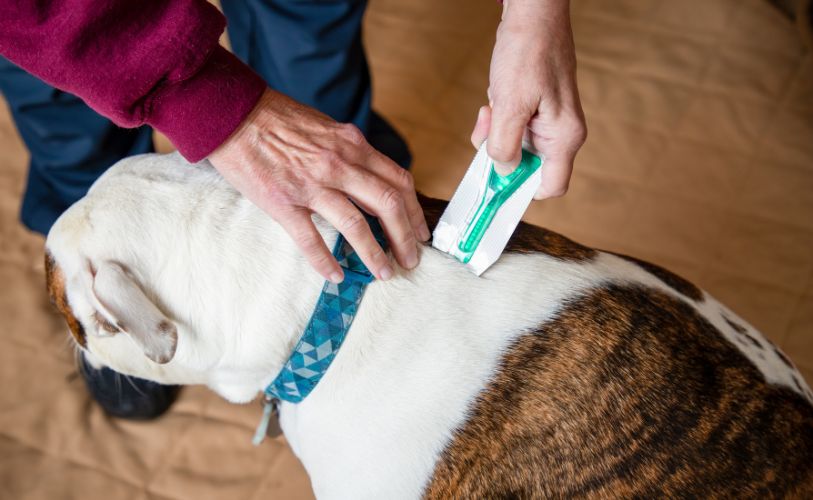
[377,197]
[556,174]
[396,176]
[349,221]
[480,132]
[299,226]
[560,154]
[508,123]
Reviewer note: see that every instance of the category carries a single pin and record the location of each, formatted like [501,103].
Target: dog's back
[633,391]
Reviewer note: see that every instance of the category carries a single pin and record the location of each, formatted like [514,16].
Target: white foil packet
[486,208]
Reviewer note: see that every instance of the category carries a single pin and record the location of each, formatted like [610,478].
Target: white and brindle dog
[564,371]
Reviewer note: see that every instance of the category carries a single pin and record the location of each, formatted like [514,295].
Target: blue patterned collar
[323,336]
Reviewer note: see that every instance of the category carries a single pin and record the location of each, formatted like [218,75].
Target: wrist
[198,114]
[247,126]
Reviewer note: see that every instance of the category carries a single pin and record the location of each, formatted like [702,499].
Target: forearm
[154,62]
[531,11]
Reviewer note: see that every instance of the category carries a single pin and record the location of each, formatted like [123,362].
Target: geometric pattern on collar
[328,325]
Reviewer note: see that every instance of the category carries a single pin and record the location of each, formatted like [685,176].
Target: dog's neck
[272,295]
[273,292]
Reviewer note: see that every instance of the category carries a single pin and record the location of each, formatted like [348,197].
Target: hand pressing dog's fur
[562,372]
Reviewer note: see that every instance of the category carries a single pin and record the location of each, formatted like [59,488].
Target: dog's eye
[102,322]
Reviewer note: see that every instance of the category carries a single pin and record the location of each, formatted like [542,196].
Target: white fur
[422,346]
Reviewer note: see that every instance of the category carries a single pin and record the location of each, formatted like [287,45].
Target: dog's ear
[121,301]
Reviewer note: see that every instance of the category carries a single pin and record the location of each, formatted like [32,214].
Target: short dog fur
[563,372]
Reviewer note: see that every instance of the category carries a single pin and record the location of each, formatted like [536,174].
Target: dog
[563,372]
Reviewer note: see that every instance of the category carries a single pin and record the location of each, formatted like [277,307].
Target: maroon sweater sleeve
[155,62]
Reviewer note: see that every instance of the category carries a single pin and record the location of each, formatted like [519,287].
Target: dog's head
[148,272]
[104,281]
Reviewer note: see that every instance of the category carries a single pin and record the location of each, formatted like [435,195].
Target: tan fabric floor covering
[700,158]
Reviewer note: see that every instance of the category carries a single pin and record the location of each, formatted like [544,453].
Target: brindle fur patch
[526,239]
[629,393]
[55,283]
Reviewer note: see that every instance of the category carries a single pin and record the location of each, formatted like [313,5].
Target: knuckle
[278,199]
[329,157]
[375,252]
[509,106]
[575,130]
[402,238]
[498,151]
[390,199]
[371,252]
[352,134]
[329,162]
[309,244]
[321,259]
[582,133]
[405,179]
[352,222]
[416,213]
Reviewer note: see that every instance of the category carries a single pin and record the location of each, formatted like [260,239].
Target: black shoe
[383,137]
[127,397]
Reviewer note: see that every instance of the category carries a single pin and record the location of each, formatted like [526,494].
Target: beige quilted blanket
[700,158]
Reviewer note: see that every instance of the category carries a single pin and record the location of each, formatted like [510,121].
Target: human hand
[291,160]
[532,93]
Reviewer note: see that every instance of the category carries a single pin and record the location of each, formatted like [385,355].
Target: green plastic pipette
[497,191]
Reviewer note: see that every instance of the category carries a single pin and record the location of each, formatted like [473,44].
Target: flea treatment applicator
[486,209]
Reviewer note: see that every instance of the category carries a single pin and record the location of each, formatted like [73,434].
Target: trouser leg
[70,144]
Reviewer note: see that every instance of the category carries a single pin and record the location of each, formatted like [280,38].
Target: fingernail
[412,259]
[385,273]
[423,232]
[336,278]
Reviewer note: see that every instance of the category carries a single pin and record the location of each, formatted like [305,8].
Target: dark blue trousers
[310,50]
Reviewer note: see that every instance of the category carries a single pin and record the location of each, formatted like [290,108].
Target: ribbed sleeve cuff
[198,114]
